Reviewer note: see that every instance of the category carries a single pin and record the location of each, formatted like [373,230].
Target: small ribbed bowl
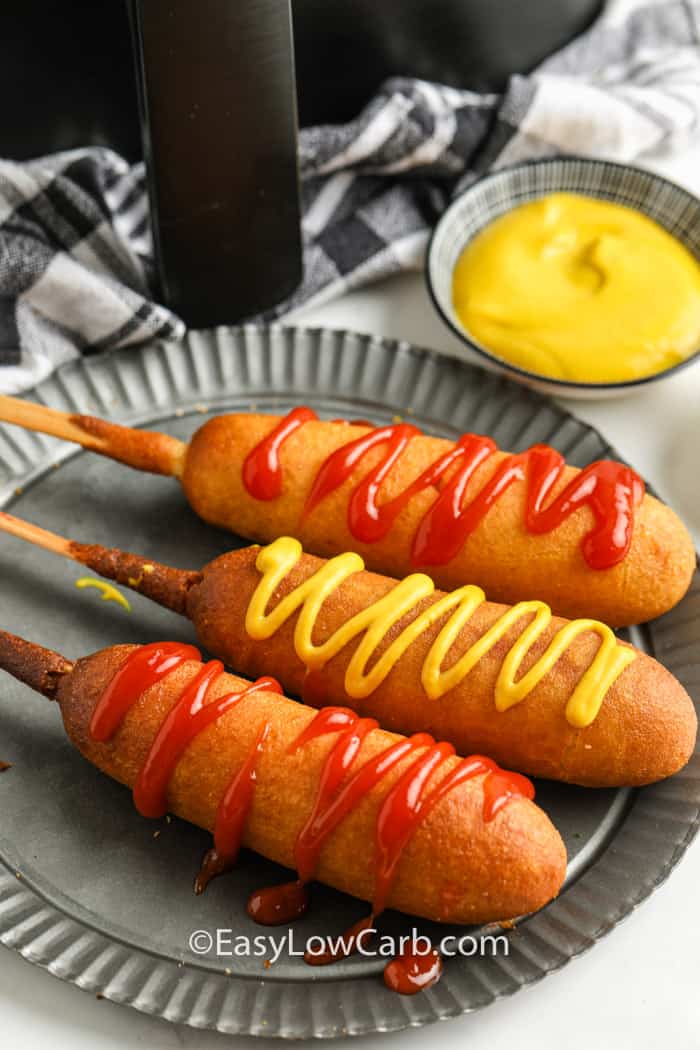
[669,205]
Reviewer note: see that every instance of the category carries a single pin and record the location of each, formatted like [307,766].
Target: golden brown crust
[147,450]
[644,731]
[456,868]
[501,556]
[160,583]
[41,669]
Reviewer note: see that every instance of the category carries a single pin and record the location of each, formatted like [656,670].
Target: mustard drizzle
[108,591]
[275,561]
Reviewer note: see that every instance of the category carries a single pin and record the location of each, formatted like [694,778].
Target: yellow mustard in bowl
[580,289]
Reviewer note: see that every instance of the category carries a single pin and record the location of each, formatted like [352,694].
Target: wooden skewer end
[161,583]
[145,450]
[24,530]
[41,669]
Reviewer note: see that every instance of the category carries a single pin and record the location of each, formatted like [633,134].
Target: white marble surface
[637,989]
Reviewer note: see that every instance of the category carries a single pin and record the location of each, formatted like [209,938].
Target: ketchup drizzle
[262,472]
[339,791]
[610,490]
[146,666]
[190,715]
[233,809]
[406,804]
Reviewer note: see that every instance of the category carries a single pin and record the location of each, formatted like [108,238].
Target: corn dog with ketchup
[397,822]
[554,698]
[588,542]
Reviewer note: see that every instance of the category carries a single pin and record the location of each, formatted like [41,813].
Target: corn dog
[553,698]
[589,543]
[457,840]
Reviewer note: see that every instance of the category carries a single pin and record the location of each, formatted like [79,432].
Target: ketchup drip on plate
[278,905]
[412,972]
[610,490]
[340,789]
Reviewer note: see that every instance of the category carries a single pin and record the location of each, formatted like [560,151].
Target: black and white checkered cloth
[75,250]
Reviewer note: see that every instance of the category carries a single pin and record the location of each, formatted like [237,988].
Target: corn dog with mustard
[554,698]
[588,542]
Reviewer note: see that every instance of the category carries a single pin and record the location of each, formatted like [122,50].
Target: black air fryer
[205,91]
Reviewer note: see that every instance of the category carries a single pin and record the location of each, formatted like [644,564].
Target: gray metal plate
[85,889]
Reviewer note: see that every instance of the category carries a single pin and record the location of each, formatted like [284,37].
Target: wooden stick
[39,668]
[146,450]
[24,530]
[42,419]
[161,583]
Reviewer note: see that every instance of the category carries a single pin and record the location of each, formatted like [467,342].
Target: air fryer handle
[218,114]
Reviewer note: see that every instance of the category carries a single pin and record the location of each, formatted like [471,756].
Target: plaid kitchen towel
[75,251]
